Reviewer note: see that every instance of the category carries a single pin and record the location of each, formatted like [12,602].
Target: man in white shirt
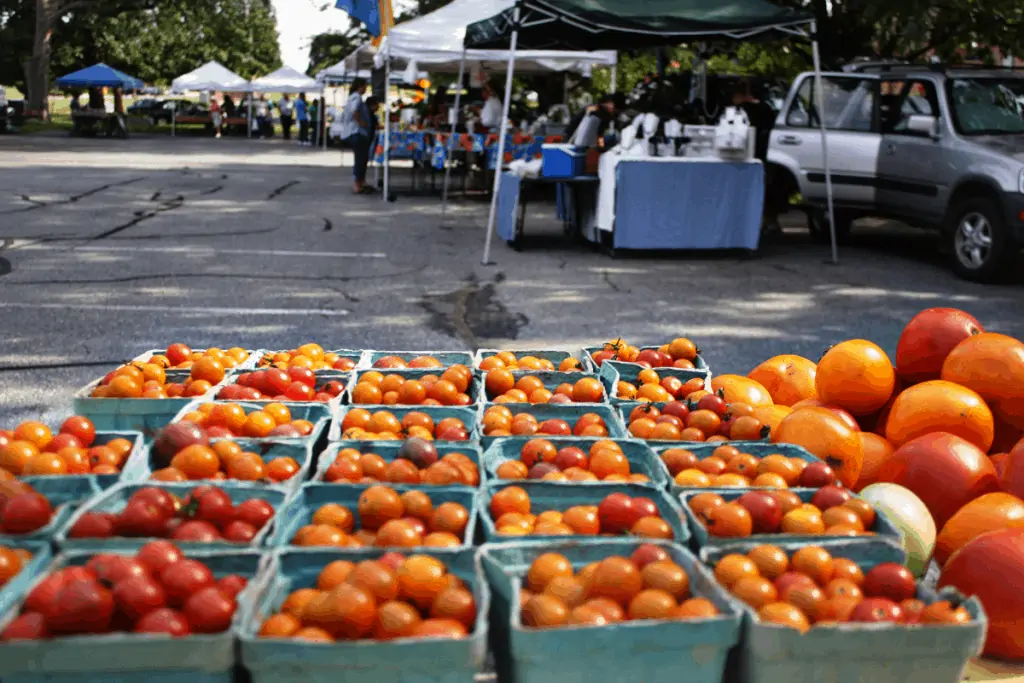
[490,114]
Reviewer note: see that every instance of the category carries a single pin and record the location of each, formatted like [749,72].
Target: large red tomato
[943,470]
[1012,470]
[927,340]
[991,567]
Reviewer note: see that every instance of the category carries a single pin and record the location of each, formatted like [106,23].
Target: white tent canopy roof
[285,80]
[210,76]
[343,73]
[435,42]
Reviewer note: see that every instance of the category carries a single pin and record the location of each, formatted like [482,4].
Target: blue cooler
[563,161]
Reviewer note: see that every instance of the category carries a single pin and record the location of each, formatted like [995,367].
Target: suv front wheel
[981,249]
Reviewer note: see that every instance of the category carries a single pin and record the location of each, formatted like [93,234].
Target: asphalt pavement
[109,248]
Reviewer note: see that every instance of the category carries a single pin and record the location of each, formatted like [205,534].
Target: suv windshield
[987,106]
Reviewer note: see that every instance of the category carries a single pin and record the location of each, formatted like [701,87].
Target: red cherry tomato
[26,626]
[277,381]
[116,568]
[196,531]
[81,428]
[81,607]
[25,513]
[163,620]
[140,519]
[299,391]
[158,554]
[137,596]
[209,610]
[232,584]
[616,513]
[93,525]
[254,511]
[239,532]
[304,375]
[215,507]
[184,578]
[163,500]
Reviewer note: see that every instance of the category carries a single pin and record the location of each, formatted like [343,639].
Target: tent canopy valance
[628,24]
[285,80]
[211,76]
[100,76]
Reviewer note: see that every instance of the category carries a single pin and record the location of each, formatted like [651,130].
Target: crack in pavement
[328,225]
[72,199]
[608,281]
[214,190]
[281,190]
[236,276]
[169,205]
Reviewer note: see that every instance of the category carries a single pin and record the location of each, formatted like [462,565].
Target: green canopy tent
[633,24]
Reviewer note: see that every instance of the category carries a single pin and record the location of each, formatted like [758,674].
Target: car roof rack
[886,66]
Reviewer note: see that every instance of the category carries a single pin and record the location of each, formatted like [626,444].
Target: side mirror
[923,125]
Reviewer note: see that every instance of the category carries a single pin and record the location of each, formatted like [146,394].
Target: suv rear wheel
[979,244]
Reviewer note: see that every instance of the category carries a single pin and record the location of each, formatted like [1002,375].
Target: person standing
[284,106]
[314,122]
[355,132]
[302,116]
[490,114]
[215,115]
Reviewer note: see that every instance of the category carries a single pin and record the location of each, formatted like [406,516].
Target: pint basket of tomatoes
[721,516]
[573,460]
[312,356]
[570,611]
[515,387]
[298,385]
[416,360]
[548,420]
[111,617]
[20,563]
[632,383]
[742,464]
[453,386]
[441,518]
[531,359]
[128,516]
[412,461]
[278,420]
[842,611]
[395,423]
[368,616]
[245,462]
[550,511]
[34,511]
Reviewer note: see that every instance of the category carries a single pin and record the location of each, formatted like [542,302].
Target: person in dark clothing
[605,108]
[762,118]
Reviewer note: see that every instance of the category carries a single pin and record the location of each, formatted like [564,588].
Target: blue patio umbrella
[100,76]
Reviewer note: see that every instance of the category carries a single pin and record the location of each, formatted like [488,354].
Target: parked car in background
[157,110]
[936,147]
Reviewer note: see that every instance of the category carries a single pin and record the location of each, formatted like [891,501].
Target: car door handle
[789,140]
[890,149]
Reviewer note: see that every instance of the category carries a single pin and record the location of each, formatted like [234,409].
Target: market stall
[435,42]
[91,119]
[644,203]
[285,80]
[209,78]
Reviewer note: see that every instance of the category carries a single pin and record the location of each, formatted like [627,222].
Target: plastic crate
[16,587]
[469,417]
[880,653]
[404,660]
[611,373]
[316,413]
[883,527]
[699,363]
[267,449]
[652,651]
[135,461]
[388,450]
[145,415]
[447,358]
[322,378]
[354,355]
[551,380]
[549,495]
[570,412]
[475,390]
[300,508]
[116,499]
[247,364]
[65,494]
[642,459]
[556,357]
[758,449]
[135,658]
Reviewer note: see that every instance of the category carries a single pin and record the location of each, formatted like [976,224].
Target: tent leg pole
[387,122]
[499,162]
[819,96]
[449,149]
[248,121]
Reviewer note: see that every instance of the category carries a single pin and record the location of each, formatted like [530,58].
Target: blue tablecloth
[688,205]
[508,205]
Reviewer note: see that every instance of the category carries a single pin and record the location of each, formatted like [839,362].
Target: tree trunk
[37,67]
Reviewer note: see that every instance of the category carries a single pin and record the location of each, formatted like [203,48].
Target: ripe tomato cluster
[148,379]
[230,420]
[509,361]
[157,591]
[391,597]
[501,421]
[646,585]
[503,387]
[387,519]
[811,587]
[12,560]
[833,511]
[226,460]
[23,510]
[31,449]
[205,515]
[679,353]
[417,462]
[310,356]
[709,418]
[541,459]
[295,384]
[617,514]
[362,425]
[729,467]
[448,389]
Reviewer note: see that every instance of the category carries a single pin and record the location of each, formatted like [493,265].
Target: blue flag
[364,11]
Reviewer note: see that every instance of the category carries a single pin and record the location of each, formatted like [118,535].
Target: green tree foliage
[327,49]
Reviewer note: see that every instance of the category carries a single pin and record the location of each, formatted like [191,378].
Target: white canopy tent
[286,80]
[435,41]
[210,77]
